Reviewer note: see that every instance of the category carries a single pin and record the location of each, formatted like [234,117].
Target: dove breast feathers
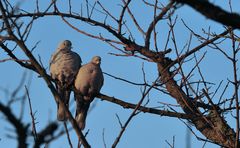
[64,65]
[89,80]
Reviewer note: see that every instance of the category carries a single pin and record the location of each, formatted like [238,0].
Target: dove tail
[64,96]
[81,113]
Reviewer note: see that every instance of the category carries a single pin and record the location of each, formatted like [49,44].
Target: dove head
[96,60]
[65,45]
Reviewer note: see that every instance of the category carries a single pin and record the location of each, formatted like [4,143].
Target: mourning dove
[87,85]
[64,65]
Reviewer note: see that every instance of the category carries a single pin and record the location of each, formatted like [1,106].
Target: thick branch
[88,20]
[215,128]
[211,126]
[214,12]
[47,131]
[20,128]
[42,73]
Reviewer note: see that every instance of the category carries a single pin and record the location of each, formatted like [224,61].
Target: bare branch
[103,136]
[236,86]
[144,109]
[106,11]
[34,131]
[20,128]
[155,21]
[68,136]
[11,59]
[46,135]
[213,12]
[134,19]
[133,83]
[197,105]
[38,68]
[154,28]
[90,35]
[207,42]
[173,142]
[121,15]
[24,63]
[144,94]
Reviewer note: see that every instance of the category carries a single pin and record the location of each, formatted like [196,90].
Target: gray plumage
[87,85]
[64,65]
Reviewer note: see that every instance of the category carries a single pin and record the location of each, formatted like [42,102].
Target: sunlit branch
[144,109]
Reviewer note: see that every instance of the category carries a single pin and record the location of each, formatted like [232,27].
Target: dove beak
[98,62]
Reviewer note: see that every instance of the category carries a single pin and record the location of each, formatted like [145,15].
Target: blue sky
[145,130]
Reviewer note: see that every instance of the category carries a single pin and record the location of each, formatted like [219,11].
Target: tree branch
[43,73]
[144,109]
[155,21]
[122,15]
[21,129]
[213,12]
[49,130]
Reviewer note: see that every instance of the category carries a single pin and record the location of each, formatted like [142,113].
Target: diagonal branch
[145,93]
[122,15]
[134,19]
[155,21]
[20,128]
[194,50]
[213,12]
[43,135]
[34,131]
[144,109]
[42,72]
[90,35]
[20,62]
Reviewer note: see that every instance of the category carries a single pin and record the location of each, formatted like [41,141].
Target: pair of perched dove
[68,74]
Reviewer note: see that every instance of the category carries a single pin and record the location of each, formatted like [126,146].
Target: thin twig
[236,86]
[171,145]
[132,115]
[207,42]
[90,35]
[122,15]
[40,70]
[154,28]
[155,21]
[103,138]
[134,19]
[68,136]
[34,131]
[106,11]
